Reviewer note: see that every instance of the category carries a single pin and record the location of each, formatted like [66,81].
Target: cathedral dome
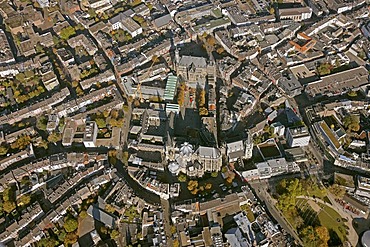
[173,167]
[186,149]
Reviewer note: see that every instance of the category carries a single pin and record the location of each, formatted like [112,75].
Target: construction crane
[138,88]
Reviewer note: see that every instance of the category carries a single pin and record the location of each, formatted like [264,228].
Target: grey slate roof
[100,215]
[199,62]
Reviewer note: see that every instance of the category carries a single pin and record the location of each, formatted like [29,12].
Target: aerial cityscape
[185,123]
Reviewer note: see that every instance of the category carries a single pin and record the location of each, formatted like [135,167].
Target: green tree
[67,32]
[9,194]
[20,77]
[308,235]
[83,214]
[337,190]
[24,200]
[62,235]
[54,137]
[214,174]
[43,144]
[41,123]
[47,242]
[182,177]
[114,234]
[29,73]
[104,230]
[8,206]
[114,113]
[70,224]
[112,157]
[3,149]
[352,93]
[324,69]
[109,208]
[25,180]
[101,123]
[21,143]
[125,157]
[352,122]
[287,200]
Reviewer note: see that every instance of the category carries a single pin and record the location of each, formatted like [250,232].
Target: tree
[324,69]
[70,224]
[114,234]
[67,32]
[29,73]
[8,194]
[272,11]
[192,184]
[211,41]
[114,113]
[208,186]
[125,157]
[323,234]
[3,149]
[54,137]
[194,191]
[308,235]
[214,174]
[43,144]
[83,214]
[109,208]
[182,177]
[21,143]
[104,230]
[352,122]
[75,84]
[176,243]
[47,242]
[24,200]
[41,123]
[337,190]
[220,50]
[173,229]
[70,238]
[8,206]
[20,77]
[181,94]
[112,157]
[62,235]
[101,123]
[287,199]
[202,98]
[203,111]
[224,169]
[229,180]
[106,113]
[352,93]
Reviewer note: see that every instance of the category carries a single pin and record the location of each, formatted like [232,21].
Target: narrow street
[166,221]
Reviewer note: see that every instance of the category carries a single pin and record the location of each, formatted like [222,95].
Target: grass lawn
[329,218]
[326,216]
